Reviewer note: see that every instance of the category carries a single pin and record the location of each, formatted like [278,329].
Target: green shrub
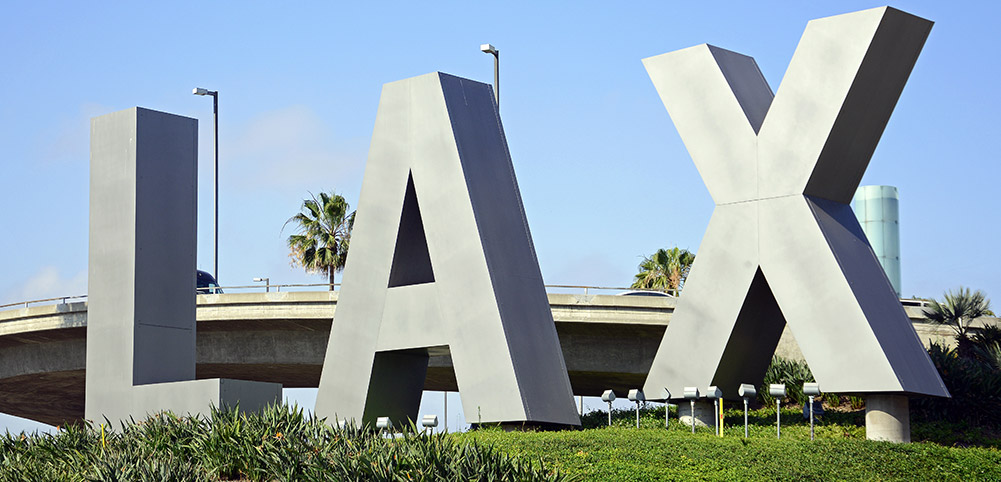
[279,444]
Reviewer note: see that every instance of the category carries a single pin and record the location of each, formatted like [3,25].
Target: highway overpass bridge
[608,342]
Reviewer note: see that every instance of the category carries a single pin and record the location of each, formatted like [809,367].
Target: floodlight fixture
[609,396]
[715,394]
[778,390]
[383,423]
[746,391]
[811,390]
[489,49]
[666,394]
[429,421]
[637,396]
[692,394]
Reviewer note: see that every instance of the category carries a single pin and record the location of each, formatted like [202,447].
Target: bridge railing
[587,290]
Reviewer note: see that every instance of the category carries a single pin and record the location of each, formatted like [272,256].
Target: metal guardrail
[292,286]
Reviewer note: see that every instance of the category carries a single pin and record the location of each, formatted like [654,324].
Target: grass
[284,444]
[840,451]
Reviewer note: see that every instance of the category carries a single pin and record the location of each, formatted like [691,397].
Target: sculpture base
[705,416]
[887,418]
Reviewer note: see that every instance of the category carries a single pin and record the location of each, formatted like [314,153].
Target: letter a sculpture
[442,259]
[783,245]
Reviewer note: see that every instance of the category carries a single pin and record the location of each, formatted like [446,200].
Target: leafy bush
[975,386]
[279,444]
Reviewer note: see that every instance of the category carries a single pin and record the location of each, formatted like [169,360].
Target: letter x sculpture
[783,245]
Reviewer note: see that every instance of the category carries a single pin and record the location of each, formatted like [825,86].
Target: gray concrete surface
[141,330]
[887,418]
[783,246]
[607,342]
[442,260]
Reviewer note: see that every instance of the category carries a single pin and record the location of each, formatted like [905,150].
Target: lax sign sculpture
[442,259]
[783,244]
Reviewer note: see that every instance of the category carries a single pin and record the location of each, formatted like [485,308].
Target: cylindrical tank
[877,210]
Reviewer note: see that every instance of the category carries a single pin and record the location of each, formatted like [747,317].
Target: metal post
[637,414]
[716,416]
[778,418]
[215,115]
[582,405]
[811,417]
[446,410]
[745,417]
[609,414]
[693,415]
[667,414]
[497,78]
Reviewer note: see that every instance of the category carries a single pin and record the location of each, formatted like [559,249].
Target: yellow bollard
[721,416]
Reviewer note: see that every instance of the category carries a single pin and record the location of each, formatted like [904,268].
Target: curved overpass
[607,341]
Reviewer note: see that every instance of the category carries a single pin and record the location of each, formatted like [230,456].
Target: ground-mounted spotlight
[716,395]
[778,390]
[429,422]
[811,390]
[637,396]
[746,391]
[383,423]
[609,396]
[692,394]
[667,405]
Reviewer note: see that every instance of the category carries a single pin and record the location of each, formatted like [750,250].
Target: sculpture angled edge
[141,274]
[783,244]
[442,259]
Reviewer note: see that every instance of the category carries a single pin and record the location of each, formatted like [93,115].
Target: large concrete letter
[442,261]
[141,313]
[783,244]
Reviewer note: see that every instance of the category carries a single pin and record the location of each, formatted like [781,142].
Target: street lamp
[429,422]
[811,390]
[609,396]
[490,49]
[215,115]
[746,391]
[637,396]
[267,283]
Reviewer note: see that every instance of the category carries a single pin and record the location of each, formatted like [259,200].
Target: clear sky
[604,176]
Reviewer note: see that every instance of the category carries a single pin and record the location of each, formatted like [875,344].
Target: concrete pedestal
[887,418]
[704,414]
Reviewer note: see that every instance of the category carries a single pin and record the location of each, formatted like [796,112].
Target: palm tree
[324,232]
[958,310]
[666,269]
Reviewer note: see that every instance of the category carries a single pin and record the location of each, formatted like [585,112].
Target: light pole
[811,390]
[746,391]
[490,49]
[267,283]
[608,396]
[215,115]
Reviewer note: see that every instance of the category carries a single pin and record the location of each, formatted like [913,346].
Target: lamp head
[383,422]
[714,392]
[201,91]
[608,396]
[429,421]
[692,393]
[259,279]
[637,395]
[811,389]
[777,390]
[490,49]
[746,390]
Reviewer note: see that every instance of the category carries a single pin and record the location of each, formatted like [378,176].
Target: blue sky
[603,173]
